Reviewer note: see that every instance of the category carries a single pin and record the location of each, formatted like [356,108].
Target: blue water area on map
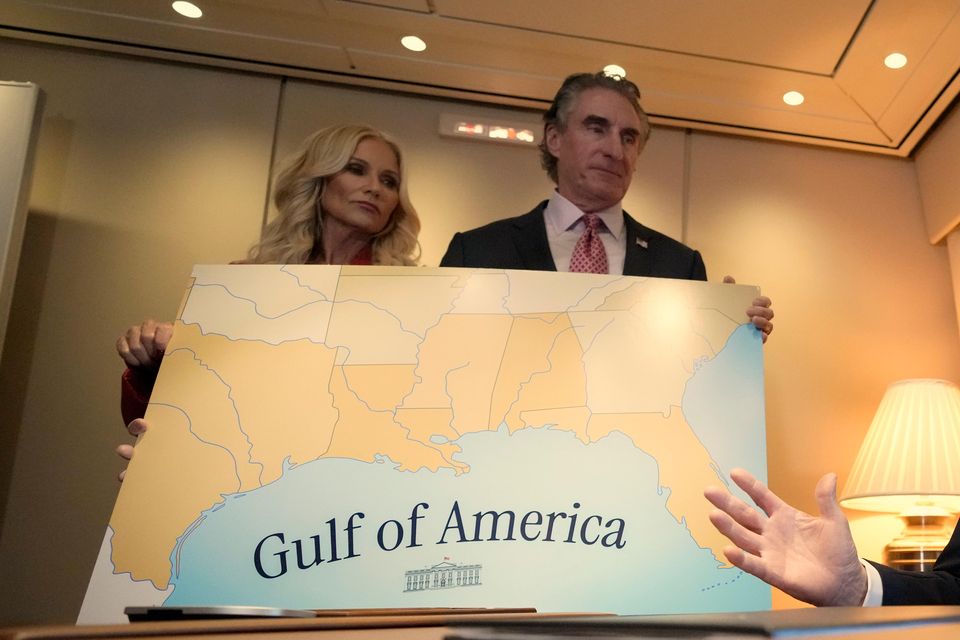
[659,569]
[724,404]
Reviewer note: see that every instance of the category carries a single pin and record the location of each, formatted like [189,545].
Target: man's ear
[551,136]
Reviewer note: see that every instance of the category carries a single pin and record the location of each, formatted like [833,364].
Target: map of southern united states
[398,364]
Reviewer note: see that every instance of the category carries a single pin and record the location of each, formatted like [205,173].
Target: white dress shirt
[565,226]
[874,597]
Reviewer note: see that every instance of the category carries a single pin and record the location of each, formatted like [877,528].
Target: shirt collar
[562,215]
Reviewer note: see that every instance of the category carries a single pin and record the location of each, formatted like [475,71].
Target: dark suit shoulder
[511,243]
[652,235]
[651,253]
[499,226]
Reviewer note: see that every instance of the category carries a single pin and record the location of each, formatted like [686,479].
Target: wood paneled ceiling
[720,65]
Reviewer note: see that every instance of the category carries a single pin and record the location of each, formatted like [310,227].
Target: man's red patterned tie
[589,256]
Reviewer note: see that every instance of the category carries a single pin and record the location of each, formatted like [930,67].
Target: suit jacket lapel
[638,260]
[530,239]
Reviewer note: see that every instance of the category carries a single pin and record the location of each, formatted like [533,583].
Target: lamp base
[919,545]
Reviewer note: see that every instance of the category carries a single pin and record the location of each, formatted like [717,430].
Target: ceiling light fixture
[793,98]
[187,9]
[413,43]
[895,60]
[614,70]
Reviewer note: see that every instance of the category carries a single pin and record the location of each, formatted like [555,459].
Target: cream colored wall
[938,169]
[837,240]
[146,168]
[142,170]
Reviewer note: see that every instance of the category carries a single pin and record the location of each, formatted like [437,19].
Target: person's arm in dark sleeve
[939,586]
[136,385]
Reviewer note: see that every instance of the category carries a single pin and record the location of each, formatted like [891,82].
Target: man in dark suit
[813,558]
[521,243]
[592,136]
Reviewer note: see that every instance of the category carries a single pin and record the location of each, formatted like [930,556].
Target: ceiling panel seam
[914,67]
[667,120]
[853,37]
[865,113]
[933,103]
[686,54]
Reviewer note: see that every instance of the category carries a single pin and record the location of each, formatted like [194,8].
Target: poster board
[349,437]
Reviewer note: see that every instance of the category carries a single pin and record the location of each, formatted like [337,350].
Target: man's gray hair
[566,97]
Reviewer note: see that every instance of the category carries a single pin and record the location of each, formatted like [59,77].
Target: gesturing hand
[812,558]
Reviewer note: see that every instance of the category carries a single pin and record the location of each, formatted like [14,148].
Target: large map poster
[333,437]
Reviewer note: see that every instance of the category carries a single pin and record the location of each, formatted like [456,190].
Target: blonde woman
[341,199]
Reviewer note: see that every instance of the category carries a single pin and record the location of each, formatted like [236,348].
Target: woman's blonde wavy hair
[295,236]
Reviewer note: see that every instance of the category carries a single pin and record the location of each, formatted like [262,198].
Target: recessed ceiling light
[615,70]
[413,43]
[793,98]
[187,9]
[895,61]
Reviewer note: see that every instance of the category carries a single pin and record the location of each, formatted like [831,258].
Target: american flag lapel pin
[641,243]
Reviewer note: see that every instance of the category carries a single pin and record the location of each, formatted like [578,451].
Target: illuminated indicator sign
[465,126]
[509,133]
[470,128]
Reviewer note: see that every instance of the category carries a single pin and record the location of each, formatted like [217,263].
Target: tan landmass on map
[562,383]
[174,462]
[231,412]
[432,427]
[254,417]
[527,353]
[362,434]
[381,386]
[459,362]
[280,392]
[573,419]
[684,465]
[431,295]
[371,335]
[273,294]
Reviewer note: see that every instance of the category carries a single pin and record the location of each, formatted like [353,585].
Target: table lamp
[909,463]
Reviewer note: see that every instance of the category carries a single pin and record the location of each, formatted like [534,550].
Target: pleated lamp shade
[910,457]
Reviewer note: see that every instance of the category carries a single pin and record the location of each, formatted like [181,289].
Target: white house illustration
[445,575]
